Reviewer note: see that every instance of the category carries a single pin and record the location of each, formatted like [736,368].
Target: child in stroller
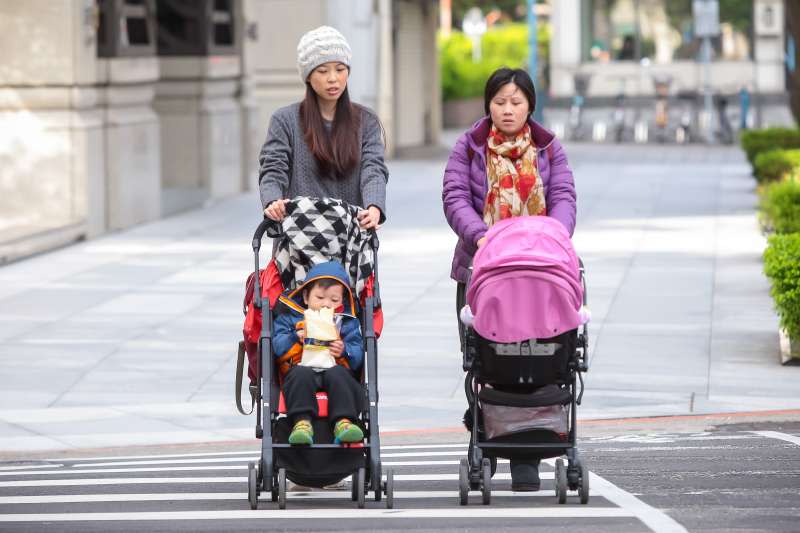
[315,232]
[325,287]
[523,352]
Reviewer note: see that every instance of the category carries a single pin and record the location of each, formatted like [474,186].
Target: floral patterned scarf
[515,188]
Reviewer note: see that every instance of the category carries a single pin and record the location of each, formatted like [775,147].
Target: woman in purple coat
[506,165]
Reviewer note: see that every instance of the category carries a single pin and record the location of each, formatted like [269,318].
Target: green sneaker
[346,432]
[302,432]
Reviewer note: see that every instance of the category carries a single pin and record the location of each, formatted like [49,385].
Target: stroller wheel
[389,489]
[463,482]
[561,481]
[583,489]
[282,488]
[252,485]
[486,488]
[354,487]
[360,481]
[376,482]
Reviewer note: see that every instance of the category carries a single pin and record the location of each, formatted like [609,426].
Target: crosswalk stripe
[780,436]
[470,513]
[221,479]
[243,466]
[256,458]
[201,496]
[463,446]
[12,469]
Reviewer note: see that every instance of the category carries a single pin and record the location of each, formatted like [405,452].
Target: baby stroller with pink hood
[525,348]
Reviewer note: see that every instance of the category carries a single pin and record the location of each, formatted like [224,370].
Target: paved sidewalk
[130,339]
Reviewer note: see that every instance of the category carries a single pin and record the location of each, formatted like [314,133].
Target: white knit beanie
[319,46]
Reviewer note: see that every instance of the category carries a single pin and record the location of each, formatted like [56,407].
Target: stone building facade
[118,112]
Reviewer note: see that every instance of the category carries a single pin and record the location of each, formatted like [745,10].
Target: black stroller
[322,463]
[523,394]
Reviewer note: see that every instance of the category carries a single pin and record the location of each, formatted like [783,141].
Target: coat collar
[479,133]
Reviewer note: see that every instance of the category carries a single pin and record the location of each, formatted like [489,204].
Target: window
[196,27]
[125,28]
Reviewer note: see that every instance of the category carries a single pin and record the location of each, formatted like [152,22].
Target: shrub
[756,141]
[782,267]
[780,206]
[777,165]
[502,46]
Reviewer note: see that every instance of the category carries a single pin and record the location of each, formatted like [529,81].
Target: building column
[565,47]
[769,52]
[196,100]
[51,137]
[132,145]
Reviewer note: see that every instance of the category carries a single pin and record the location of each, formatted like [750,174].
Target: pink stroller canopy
[526,281]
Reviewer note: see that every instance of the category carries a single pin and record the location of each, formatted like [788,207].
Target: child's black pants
[344,393]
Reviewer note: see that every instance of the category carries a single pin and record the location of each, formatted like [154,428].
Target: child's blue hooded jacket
[285,337]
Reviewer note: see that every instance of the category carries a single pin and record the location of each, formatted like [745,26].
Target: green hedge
[782,267]
[777,165]
[756,141]
[780,206]
[502,46]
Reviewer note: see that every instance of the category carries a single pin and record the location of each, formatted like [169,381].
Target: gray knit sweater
[288,168]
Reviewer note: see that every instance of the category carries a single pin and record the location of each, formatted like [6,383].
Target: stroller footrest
[322,404]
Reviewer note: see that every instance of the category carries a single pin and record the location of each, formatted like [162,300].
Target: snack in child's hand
[320,332]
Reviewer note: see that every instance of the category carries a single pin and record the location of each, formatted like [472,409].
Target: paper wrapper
[320,331]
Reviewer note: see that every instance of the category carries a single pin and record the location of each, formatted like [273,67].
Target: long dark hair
[502,77]
[337,152]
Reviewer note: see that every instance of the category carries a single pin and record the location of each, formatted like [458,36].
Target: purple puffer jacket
[465,185]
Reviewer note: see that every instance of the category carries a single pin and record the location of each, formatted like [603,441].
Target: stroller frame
[264,475]
[475,472]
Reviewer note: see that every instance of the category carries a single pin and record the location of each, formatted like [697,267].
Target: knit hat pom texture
[320,46]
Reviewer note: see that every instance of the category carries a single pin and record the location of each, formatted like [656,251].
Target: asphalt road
[657,475]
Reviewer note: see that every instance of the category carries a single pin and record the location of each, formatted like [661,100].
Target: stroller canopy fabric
[526,281]
[317,230]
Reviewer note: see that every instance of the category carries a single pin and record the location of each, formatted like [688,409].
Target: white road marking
[12,469]
[243,466]
[175,461]
[462,446]
[201,496]
[469,513]
[780,436]
[256,458]
[221,479]
[653,518]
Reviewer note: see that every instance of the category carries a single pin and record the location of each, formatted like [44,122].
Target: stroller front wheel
[583,488]
[389,489]
[252,489]
[360,482]
[486,488]
[463,482]
[561,481]
[282,488]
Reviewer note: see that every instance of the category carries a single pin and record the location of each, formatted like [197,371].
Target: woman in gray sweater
[325,146]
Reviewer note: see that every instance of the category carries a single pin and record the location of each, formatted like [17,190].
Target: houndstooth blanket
[317,230]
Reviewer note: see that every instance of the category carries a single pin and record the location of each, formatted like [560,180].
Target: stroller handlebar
[261,229]
[274,229]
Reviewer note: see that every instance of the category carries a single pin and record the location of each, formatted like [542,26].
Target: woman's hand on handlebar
[369,218]
[276,210]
